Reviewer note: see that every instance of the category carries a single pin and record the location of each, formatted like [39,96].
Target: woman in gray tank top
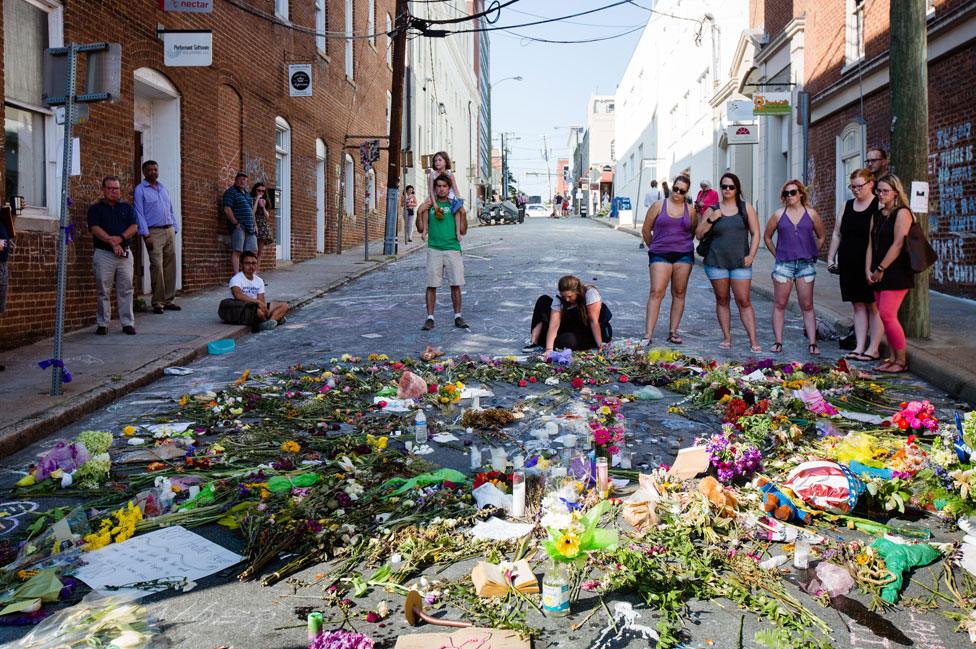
[734,239]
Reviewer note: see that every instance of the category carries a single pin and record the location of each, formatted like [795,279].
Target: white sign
[920,197]
[188,6]
[75,157]
[742,134]
[300,80]
[739,110]
[188,49]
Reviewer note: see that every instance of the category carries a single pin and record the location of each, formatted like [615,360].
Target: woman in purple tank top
[668,233]
[800,234]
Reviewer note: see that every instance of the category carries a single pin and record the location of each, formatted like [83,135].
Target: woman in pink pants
[888,269]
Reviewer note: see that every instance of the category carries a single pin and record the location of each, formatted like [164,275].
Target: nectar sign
[188,6]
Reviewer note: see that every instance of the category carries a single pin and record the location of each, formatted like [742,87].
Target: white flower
[346,464]
[66,480]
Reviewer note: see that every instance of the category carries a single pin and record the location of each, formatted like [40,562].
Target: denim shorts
[670,258]
[714,272]
[793,270]
[241,241]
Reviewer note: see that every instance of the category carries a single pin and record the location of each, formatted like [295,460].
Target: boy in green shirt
[443,230]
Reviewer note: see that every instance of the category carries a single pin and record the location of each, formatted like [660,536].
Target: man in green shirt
[443,230]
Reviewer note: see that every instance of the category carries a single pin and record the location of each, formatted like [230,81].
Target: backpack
[238,312]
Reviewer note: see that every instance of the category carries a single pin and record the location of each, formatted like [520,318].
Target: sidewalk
[106,367]
[947,359]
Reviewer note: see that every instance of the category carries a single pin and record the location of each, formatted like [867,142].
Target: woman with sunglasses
[732,232]
[848,248]
[668,234]
[261,225]
[887,266]
[799,234]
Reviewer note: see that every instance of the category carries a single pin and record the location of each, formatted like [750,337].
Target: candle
[603,476]
[518,494]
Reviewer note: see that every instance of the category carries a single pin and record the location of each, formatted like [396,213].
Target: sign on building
[920,197]
[189,48]
[299,79]
[187,6]
[771,103]
[739,110]
[742,134]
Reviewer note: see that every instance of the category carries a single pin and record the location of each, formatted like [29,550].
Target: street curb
[956,382]
[25,432]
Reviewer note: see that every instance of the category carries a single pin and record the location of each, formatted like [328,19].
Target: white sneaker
[267,325]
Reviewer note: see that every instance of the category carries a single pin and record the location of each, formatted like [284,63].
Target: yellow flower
[291,447]
[604,410]
[243,378]
[568,545]
[129,431]
[725,398]
[185,399]
[459,385]
[445,400]
[861,559]
[379,443]
[326,375]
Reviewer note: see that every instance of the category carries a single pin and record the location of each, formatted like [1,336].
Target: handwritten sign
[169,553]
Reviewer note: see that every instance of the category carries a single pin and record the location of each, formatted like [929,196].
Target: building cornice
[795,26]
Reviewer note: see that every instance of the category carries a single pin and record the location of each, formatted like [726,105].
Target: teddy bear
[718,495]
[779,502]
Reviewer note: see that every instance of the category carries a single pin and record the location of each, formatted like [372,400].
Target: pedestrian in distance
[443,228]
[113,223]
[729,235]
[408,202]
[664,189]
[653,195]
[799,234]
[158,228]
[706,198]
[848,249]
[246,286]
[574,318]
[239,210]
[877,163]
[262,226]
[888,268]
[668,232]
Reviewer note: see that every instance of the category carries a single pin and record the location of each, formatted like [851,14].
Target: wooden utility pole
[396,126]
[910,130]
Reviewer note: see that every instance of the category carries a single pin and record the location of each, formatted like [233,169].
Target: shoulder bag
[921,255]
[238,312]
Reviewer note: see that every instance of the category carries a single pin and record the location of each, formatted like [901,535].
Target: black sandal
[776,348]
[674,339]
[813,349]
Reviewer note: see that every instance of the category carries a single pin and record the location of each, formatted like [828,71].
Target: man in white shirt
[653,195]
[246,286]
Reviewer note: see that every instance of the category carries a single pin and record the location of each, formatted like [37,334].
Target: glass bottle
[555,589]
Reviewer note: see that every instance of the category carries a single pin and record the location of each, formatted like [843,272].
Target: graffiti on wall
[955,237]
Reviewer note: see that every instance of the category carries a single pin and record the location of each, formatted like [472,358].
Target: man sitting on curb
[246,286]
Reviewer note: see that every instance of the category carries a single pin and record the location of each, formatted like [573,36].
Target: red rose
[623,378]
[522,383]
[577,383]
[382,404]
[432,388]
[532,379]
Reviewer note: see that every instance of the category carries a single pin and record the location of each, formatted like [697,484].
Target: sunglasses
[856,188]
[728,188]
[677,190]
[790,192]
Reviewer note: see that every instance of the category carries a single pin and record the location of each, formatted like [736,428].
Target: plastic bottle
[555,589]
[518,493]
[475,458]
[420,427]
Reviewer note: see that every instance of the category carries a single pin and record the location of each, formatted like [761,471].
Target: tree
[909,130]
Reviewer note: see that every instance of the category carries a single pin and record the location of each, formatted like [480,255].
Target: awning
[606,177]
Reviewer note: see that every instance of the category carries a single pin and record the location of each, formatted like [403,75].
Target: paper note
[863,417]
[755,376]
[690,462]
[495,529]
[473,637]
[395,405]
[169,553]
[444,438]
[488,494]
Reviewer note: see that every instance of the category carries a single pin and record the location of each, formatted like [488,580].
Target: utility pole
[545,154]
[396,127]
[503,194]
[909,132]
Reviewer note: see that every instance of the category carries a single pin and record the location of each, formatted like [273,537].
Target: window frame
[321,8]
[842,155]
[348,19]
[371,22]
[281,9]
[854,32]
[389,41]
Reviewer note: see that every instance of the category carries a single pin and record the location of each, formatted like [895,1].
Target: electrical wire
[495,7]
[587,40]
[539,22]
[311,31]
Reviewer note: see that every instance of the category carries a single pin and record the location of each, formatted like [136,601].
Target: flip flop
[866,358]
[675,339]
[725,345]
[813,349]
[776,348]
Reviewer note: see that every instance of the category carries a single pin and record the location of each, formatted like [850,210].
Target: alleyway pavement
[947,358]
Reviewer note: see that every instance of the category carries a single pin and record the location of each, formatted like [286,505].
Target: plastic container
[518,494]
[420,427]
[222,346]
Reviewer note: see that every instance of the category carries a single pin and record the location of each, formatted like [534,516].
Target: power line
[495,7]
[539,22]
[240,4]
[587,40]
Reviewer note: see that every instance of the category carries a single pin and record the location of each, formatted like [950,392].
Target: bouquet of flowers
[608,431]
[731,457]
[449,393]
[916,416]
[572,534]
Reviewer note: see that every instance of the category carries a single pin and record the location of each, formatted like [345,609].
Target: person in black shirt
[113,224]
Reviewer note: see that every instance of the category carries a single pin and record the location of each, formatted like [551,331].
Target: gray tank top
[730,242]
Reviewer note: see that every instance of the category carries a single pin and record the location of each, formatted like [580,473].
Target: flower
[341,640]
[577,383]
[568,545]
[291,447]
[129,431]
[522,383]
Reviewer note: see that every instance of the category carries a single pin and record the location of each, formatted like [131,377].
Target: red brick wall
[776,15]
[227,120]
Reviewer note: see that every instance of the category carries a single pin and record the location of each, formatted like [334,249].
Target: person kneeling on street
[574,318]
[247,290]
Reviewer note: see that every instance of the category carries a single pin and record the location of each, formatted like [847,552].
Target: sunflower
[290,447]
[568,545]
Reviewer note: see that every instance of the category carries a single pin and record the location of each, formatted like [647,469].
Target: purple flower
[341,640]
[66,457]
[343,499]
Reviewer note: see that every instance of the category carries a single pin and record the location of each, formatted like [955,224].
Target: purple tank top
[670,234]
[795,241]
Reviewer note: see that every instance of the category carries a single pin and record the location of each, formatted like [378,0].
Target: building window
[613,150]
[281,9]
[349,41]
[854,38]
[349,186]
[31,143]
[389,40]
[389,110]
[371,21]
[850,157]
[371,188]
[321,25]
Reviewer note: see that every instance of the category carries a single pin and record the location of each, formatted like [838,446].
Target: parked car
[536,210]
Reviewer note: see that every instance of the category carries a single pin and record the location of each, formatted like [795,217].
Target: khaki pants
[110,269]
[162,265]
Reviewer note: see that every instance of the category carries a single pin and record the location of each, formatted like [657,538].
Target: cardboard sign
[690,462]
[470,637]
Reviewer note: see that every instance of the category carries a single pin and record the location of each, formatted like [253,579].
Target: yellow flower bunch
[450,393]
[377,357]
[185,399]
[108,532]
[378,443]
[291,447]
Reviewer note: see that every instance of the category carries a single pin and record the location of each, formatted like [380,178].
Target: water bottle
[420,427]
[475,458]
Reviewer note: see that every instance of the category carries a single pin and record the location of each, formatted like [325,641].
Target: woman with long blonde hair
[575,318]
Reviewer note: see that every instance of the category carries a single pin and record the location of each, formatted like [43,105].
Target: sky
[558,79]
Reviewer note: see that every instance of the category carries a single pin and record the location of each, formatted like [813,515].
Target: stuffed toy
[780,504]
[718,495]
[899,558]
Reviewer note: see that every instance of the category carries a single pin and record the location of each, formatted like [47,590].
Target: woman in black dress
[261,214]
[887,266]
[848,248]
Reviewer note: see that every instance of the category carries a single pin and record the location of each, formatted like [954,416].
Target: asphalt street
[507,268]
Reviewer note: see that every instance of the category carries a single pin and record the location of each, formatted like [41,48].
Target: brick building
[838,53]
[201,124]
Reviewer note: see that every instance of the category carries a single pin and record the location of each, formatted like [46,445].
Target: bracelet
[881,268]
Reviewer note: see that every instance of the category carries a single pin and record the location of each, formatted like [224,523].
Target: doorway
[156,122]
[321,156]
[283,179]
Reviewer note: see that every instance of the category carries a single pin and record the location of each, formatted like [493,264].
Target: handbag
[921,255]
[238,312]
[705,244]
